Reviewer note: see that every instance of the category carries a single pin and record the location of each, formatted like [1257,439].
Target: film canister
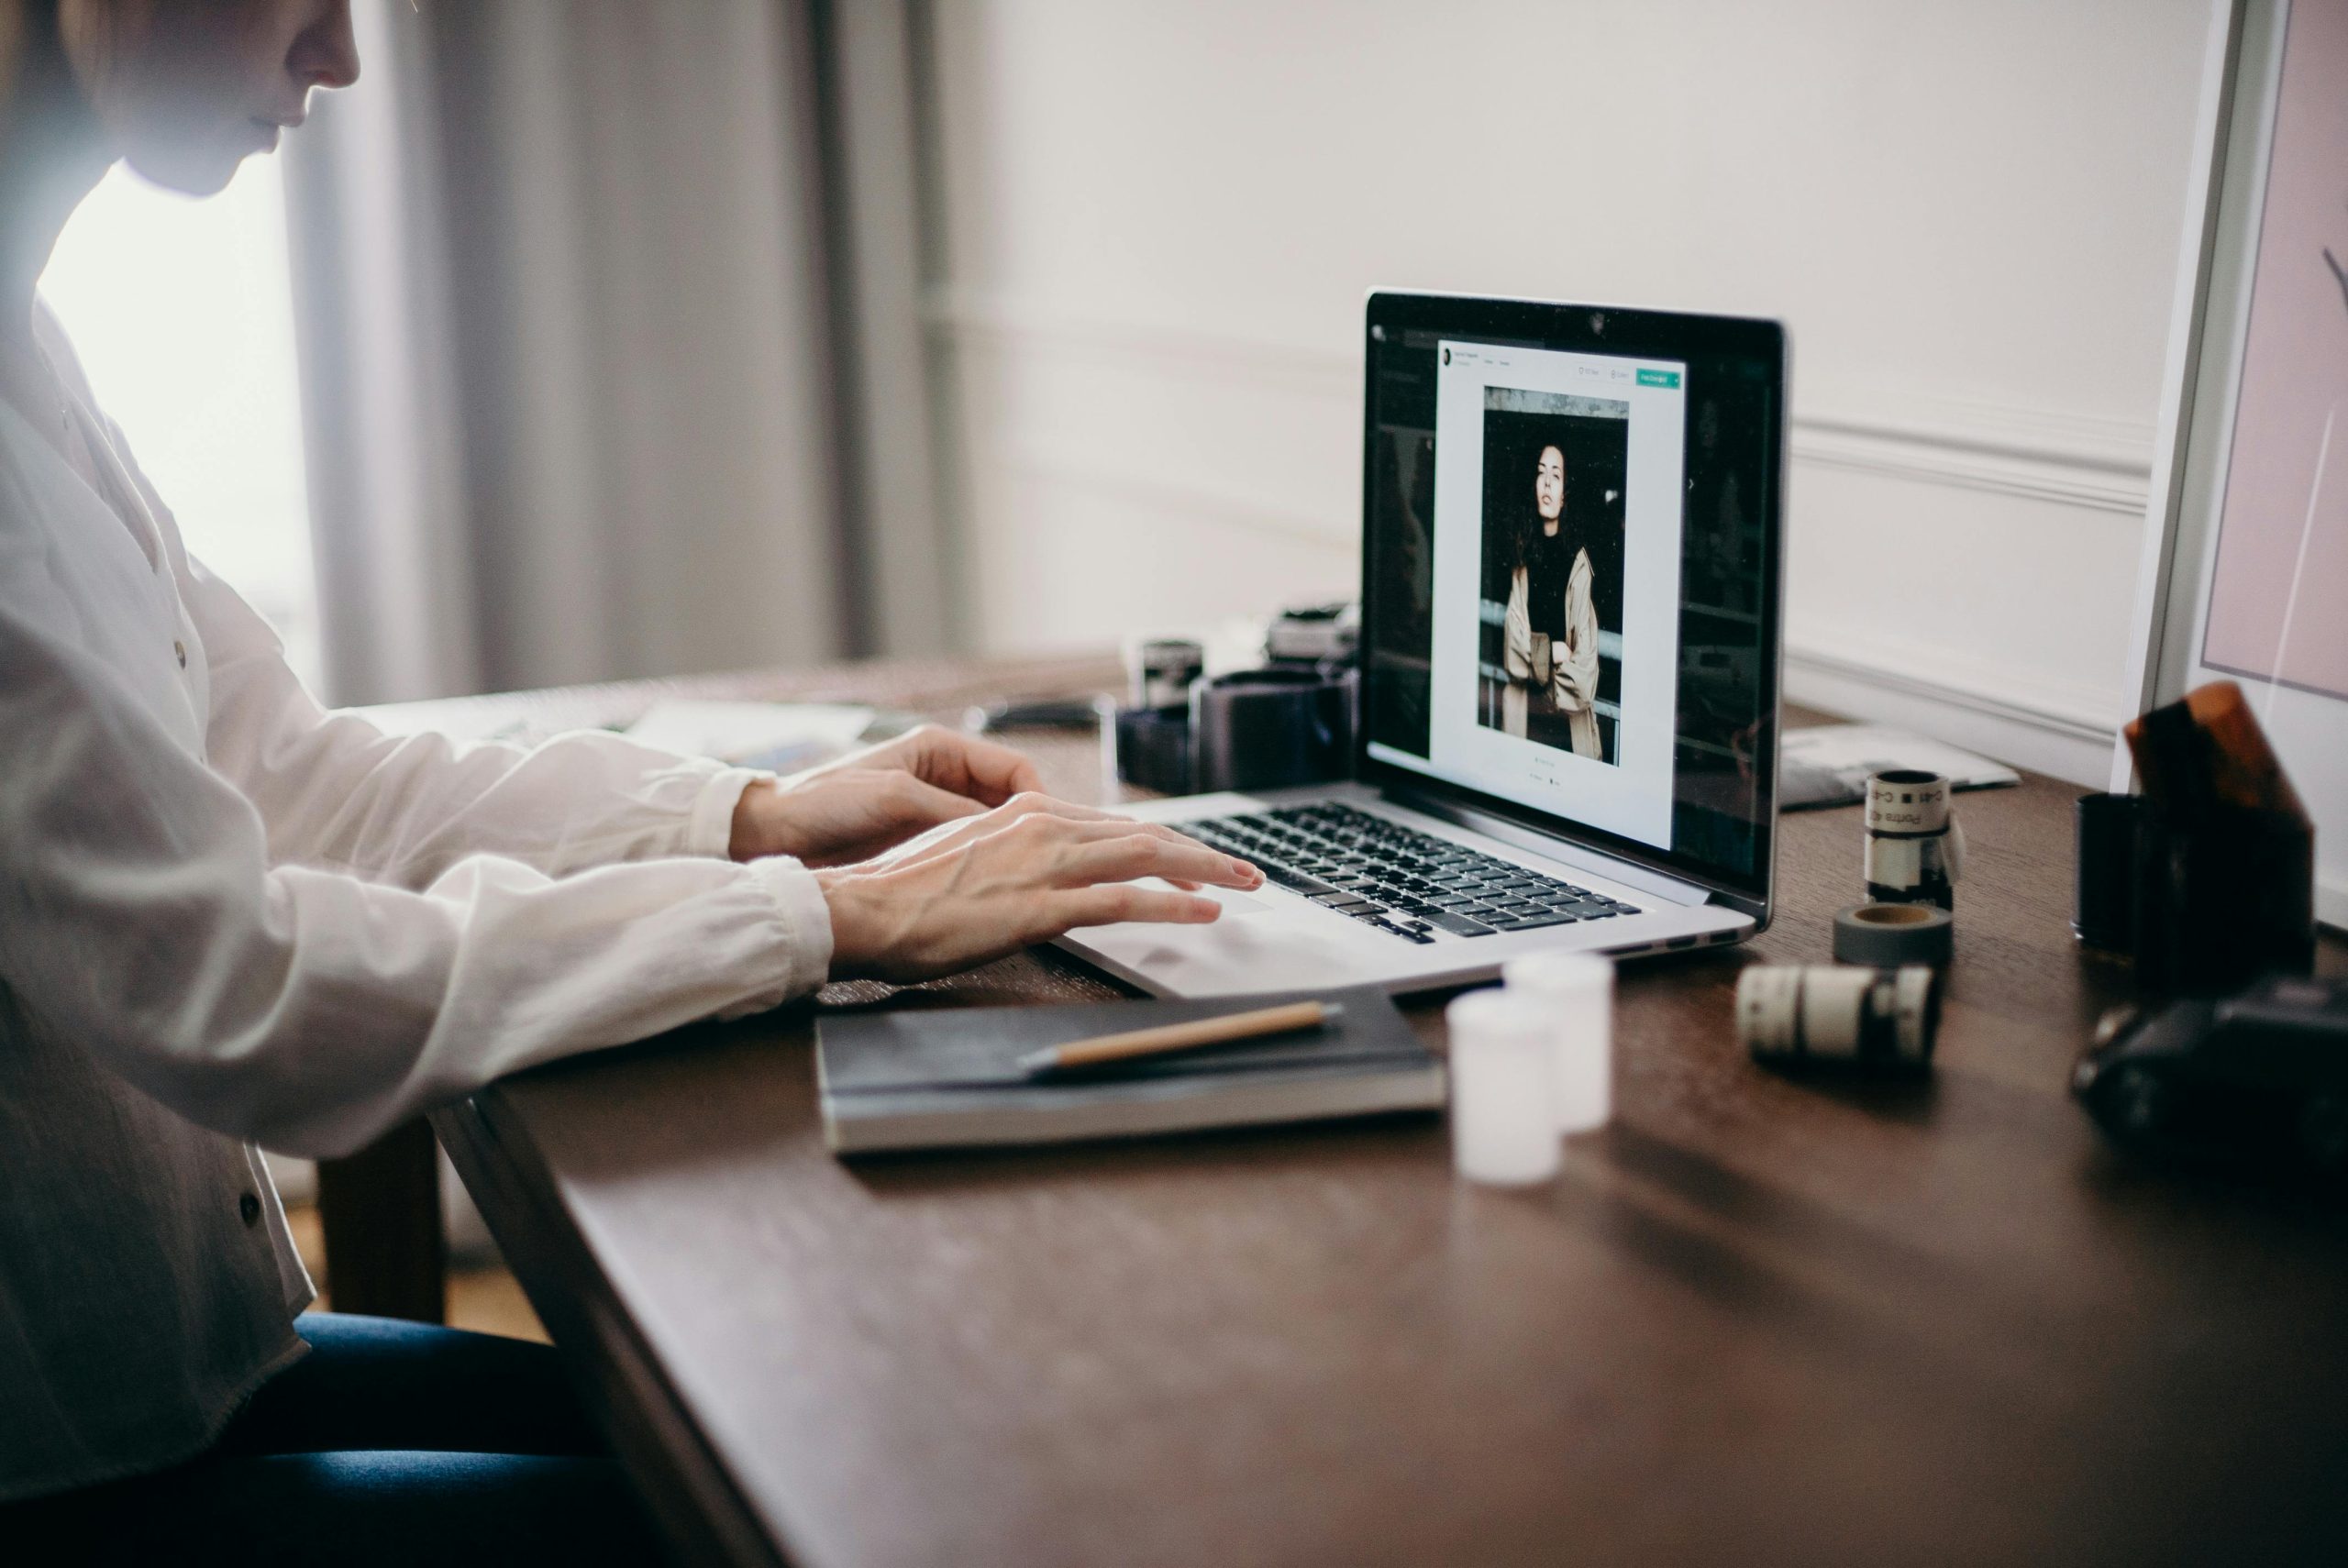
[2115,837]
[1836,1015]
[1914,849]
[1160,671]
[1885,936]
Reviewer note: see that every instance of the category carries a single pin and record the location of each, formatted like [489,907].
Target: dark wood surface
[1751,1321]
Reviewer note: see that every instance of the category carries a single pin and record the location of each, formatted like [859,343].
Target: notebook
[1827,765]
[899,1080]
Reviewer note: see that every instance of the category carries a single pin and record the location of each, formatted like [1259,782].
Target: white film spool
[1504,1129]
[1576,993]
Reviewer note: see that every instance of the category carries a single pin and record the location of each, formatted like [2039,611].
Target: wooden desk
[1751,1321]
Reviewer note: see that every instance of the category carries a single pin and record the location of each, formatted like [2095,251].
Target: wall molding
[2072,459]
[2063,730]
[2082,462]
[1968,443]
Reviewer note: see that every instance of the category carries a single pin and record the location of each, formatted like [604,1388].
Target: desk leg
[379,1208]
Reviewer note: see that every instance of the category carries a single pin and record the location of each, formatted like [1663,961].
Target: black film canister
[1153,748]
[2109,831]
[1270,729]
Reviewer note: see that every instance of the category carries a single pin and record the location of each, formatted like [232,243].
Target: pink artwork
[2278,595]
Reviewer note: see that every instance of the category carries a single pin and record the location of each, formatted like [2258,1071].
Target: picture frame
[2231,584]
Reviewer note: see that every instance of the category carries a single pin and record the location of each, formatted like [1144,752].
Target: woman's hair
[1525,512]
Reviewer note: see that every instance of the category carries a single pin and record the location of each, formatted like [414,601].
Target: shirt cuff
[806,931]
[709,831]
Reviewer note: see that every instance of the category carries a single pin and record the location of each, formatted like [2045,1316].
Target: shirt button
[179,651]
[249,1207]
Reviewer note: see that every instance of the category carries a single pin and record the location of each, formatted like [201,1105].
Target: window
[183,313]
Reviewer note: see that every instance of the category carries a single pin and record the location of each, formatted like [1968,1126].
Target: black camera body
[2257,1078]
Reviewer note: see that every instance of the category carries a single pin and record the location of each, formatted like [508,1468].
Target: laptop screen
[1570,593]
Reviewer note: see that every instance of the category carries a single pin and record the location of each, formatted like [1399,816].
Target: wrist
[758,829]
[845,897]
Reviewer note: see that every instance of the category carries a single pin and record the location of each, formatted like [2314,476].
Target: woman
[228,916]
[1549,634]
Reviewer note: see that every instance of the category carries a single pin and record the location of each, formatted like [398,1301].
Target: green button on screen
[1658,378]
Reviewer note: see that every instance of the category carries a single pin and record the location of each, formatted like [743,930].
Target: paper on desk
[1828,764]
[780,737]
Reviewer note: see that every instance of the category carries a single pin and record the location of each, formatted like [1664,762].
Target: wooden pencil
[1222,1029]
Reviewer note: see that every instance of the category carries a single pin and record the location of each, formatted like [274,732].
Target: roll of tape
[1885,936]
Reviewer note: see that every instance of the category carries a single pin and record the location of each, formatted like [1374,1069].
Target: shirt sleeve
[142,916]
[1516,629]
[336,792]
[1577,672]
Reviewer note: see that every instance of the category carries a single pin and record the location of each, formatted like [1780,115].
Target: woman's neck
[52,152]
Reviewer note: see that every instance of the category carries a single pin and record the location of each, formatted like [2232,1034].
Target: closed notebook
[898,1079]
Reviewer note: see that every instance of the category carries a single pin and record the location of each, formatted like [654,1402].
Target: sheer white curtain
[562,305]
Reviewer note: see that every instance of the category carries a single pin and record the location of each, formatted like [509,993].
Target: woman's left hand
[872,800]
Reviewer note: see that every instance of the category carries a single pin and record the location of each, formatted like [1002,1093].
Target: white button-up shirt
[228,916]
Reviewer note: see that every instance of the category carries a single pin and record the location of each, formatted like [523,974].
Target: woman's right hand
[1026,872]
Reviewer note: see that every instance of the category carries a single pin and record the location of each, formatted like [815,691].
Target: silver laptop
[1572,542]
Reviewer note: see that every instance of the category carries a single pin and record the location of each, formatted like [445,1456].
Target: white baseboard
[2051,734]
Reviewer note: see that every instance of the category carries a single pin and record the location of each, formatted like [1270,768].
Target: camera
[2260,1077]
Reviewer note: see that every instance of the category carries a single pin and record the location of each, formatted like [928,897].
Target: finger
[1118,902]
[1040,817]
[985,771]
[901,810]
[918,805]
[1132,855]
[1175,857]
[1042,829]
[994,773]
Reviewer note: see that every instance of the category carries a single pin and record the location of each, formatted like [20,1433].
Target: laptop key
[1535,921]
[1457,924]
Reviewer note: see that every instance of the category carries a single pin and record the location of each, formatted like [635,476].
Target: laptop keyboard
[1397,878]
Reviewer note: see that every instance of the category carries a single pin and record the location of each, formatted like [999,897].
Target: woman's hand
[1024,873]
[873,800]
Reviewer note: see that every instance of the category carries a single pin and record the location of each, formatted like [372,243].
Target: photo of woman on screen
[1550,669]
[1549,636]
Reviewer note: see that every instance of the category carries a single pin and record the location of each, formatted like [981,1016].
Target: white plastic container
[1575,995]
[1503,1130]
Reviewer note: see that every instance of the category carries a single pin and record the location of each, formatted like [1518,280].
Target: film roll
[1914,848]
[1885,936]
[1833,1017]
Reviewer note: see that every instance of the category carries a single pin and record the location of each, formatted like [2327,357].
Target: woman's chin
[190,170]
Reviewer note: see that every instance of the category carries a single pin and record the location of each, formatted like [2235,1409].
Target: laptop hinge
[1645,878]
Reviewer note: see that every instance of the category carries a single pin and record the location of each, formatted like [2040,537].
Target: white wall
[1157,222]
